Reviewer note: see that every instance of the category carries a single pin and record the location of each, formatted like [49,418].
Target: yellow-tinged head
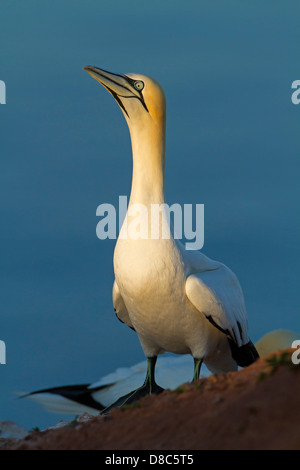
[143,103]
[140,97]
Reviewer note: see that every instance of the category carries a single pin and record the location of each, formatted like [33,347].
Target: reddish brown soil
[255,408]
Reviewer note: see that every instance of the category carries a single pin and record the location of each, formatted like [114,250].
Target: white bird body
[161,290]
[157,280]
[176,300]
[171,372]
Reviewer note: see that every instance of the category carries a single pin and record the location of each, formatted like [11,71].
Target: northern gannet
[171,372]
[176,300]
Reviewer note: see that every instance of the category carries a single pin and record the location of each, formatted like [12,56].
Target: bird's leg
[148,388]
[197,367]
[150,383]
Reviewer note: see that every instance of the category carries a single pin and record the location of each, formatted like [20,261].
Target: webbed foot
[149,387]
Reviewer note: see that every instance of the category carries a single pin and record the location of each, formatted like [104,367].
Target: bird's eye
[139,85]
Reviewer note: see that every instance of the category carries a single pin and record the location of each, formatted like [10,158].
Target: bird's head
[141,98]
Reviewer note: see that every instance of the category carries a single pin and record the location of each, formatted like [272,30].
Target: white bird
[176,300]
[171,372]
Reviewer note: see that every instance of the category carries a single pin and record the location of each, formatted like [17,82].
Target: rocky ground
[255,408]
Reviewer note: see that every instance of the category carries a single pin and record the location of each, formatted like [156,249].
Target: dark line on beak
[116,97]
[114,94]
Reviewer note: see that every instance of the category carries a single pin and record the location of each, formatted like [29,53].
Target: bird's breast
[148,268]
[151,277]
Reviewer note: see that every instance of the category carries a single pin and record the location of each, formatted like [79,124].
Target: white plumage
[176,300]
[171,371]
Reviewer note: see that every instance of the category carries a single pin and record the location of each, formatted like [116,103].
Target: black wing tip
[244,355]
[59,390]
[80,394]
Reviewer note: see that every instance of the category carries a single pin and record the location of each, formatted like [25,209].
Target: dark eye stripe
[131,82]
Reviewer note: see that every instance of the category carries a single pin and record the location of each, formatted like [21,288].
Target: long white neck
[148,152]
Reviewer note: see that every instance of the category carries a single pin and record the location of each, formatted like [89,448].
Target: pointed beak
[119,86]
[114,83]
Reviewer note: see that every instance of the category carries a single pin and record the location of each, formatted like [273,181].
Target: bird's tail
[77,399]
[68,399]
[243,355]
